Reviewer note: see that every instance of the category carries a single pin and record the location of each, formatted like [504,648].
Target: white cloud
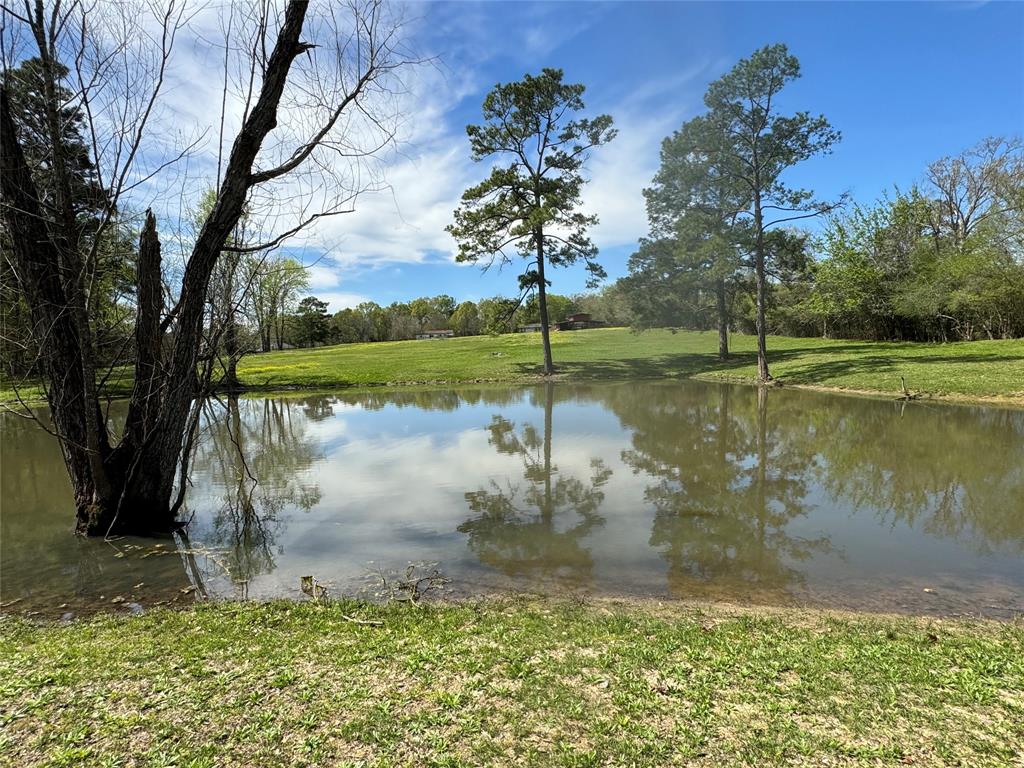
[620,170]
[422,177]
[339,300]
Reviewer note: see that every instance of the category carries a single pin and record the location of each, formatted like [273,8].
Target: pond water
[671,490]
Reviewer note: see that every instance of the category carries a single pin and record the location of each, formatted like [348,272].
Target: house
[529,328]
[439,333]
[578,322]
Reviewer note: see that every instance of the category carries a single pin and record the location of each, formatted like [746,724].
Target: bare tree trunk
[545,329]
[763,376]
[279,320]
[723,320]
[231,351]
[231,354]
[37,263]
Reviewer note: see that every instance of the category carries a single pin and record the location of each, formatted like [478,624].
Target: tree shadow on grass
[821,363]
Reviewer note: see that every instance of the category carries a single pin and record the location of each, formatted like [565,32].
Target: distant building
[440,333]
[578,322]
[529,328]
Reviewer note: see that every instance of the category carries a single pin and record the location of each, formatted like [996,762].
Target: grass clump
[519,682]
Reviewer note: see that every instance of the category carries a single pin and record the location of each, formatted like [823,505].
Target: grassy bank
[980,369]
[509,683]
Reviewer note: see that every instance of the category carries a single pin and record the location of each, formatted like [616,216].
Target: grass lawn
[978,369]
[974,369]
[509,682]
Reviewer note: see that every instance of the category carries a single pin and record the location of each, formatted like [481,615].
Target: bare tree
[979,183]
[309,100]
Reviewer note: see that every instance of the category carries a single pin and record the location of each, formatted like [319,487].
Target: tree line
[311,324]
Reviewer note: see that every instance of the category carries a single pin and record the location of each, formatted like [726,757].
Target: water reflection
[729,481]
[674,489]
[955,473]
[257,463]
[535,526]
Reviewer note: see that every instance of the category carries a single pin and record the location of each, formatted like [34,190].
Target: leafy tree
[497,314]
[659,289]
[26,86]
[376,321]
[277,282]
[923,266]
[346,326]
[559,308]
[110,271]
[532,202]
[310,322]
[609,303]
[746,145]
[465,320]
[688,277]
[695,213]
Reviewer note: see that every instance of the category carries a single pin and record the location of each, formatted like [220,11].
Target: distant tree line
[310,324]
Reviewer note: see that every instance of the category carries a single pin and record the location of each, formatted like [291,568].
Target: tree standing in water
[532,203]
[125,484]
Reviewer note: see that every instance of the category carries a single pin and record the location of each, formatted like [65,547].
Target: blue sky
[906,83]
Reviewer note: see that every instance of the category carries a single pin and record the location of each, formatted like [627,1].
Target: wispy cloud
[419,179]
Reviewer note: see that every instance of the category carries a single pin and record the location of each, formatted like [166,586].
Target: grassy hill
[974,369]
[978,369]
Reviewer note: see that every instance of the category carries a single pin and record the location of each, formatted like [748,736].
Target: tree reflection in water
[256,451]
[535,528]
[954,472]
[730,478]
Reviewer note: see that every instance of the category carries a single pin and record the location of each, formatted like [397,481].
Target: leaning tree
[532,203]
[309,94]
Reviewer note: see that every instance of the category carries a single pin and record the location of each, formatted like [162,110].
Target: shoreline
[1011,401]
[796,613]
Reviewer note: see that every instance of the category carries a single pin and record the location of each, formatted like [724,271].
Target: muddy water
[672,490]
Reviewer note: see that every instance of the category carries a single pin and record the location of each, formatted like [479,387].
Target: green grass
[524,682]
[978,369]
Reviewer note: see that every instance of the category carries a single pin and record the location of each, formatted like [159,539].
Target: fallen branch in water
[907,394]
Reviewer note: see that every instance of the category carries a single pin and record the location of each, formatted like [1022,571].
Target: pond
[667,490]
